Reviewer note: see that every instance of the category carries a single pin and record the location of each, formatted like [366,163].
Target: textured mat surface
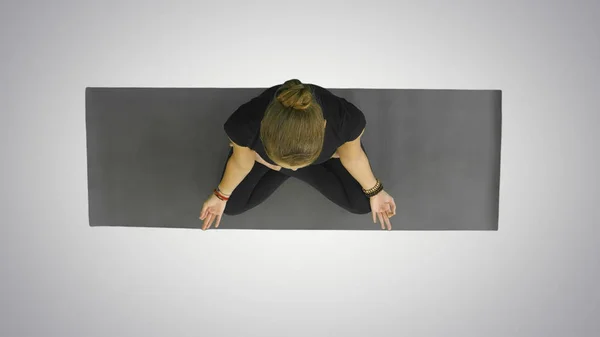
[155,154]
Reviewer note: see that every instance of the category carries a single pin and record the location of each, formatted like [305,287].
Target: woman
[302,131]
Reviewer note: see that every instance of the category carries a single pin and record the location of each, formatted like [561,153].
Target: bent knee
[232,210]
[360,210]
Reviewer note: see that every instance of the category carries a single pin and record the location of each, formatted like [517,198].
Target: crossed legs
[329,178]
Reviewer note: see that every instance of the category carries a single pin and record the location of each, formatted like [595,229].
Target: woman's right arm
[238,166]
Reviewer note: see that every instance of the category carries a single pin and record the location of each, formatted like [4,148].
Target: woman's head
[293,128]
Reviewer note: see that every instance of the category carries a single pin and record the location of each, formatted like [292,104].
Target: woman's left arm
[355,160]
[359,168]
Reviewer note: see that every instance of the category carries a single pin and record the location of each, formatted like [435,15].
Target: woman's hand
[212,210]
[384,207]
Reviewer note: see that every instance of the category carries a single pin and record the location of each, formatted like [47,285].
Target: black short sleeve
[347,119]
[239,127]
[243,125]
[352,120]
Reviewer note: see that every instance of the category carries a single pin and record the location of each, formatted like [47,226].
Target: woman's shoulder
[328,100]
[331,104]
[345,118]
[244,122]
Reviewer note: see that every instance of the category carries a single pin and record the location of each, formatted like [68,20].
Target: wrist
[223,192]
[219,194]
[375,190]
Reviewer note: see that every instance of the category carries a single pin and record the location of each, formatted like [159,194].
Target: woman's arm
[235,172]
[259,159]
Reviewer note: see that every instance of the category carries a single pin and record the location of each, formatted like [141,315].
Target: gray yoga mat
[155,154]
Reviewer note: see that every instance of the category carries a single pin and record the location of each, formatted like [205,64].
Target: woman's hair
[292,129]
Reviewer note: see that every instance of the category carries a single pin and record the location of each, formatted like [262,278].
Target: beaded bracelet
[375,190]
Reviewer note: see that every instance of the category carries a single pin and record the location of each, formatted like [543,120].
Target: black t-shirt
[345,122]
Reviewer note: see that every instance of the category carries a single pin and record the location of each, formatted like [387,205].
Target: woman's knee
[233,209]
[364,206]
[361,209]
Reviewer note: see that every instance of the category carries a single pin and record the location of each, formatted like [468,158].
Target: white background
[536,276]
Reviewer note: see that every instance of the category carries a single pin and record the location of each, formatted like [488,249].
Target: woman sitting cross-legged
[303,131]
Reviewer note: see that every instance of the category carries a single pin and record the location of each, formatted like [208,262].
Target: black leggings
[330,178]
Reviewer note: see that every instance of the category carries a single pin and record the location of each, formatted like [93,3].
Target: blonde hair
[292,129]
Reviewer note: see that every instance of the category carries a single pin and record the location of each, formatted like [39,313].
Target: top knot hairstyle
[292,129]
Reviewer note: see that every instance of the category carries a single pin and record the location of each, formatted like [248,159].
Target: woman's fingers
[207,222]
[387,221]
[380,219]
[209,218]
[389,211]
[384,220]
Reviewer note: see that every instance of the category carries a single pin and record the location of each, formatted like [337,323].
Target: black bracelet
[375,190]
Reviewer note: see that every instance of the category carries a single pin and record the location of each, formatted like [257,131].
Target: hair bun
[294,94]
